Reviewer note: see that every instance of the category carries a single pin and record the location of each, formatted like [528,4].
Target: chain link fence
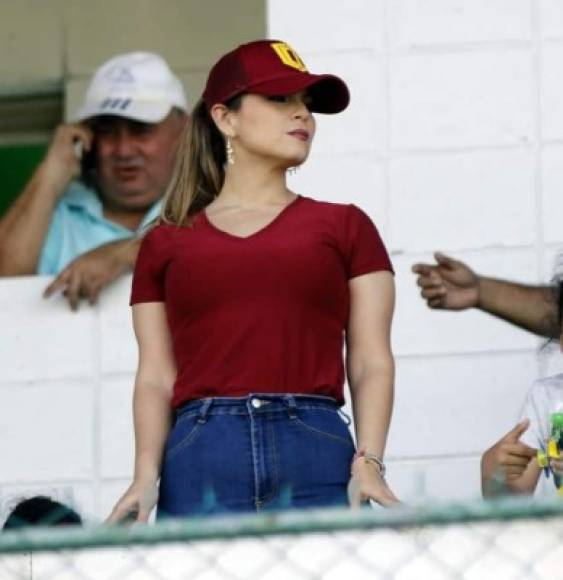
[511,538]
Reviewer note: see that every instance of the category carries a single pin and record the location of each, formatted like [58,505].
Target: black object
[41,511]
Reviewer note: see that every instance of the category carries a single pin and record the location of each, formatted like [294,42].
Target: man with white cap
[82,213]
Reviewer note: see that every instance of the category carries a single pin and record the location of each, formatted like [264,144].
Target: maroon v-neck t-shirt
[264,313]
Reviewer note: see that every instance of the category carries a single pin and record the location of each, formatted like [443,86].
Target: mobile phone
[88,162]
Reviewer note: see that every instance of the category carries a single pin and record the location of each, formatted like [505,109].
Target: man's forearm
[533,308]
[24,227]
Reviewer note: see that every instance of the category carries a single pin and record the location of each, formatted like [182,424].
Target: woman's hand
[367,483]
[135,504]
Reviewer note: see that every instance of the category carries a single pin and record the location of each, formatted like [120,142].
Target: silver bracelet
[374,459]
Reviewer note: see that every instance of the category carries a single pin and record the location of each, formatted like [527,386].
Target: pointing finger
[444,260]
[429,281]
[423,269]
[516,432]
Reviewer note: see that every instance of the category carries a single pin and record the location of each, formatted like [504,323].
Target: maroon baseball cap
[270,68]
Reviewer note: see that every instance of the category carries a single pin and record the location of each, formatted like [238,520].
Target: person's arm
[88,274]
[370,369]
[452,285]
[24,227]
[152,413]
[532,308]
[509,466]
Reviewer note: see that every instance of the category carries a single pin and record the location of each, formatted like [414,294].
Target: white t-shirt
[558,267]
[544,398]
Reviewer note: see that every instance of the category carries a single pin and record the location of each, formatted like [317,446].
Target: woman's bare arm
[370,368]
[151,409]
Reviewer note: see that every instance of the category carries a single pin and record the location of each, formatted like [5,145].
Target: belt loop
[203,410]
[289,400]
[345,417]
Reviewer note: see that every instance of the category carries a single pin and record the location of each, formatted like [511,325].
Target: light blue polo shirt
[78,225]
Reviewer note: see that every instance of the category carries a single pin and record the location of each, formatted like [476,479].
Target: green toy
[553,445]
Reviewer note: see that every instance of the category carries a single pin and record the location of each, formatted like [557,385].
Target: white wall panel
[419,23]
[467,99]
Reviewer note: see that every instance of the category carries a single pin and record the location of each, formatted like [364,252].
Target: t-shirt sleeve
[150,269]
[537,409]
[363,248]
[544,398]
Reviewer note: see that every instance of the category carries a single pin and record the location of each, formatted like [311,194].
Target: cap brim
[329,94]
[143,112]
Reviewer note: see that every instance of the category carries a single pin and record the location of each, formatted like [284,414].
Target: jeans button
[256,403]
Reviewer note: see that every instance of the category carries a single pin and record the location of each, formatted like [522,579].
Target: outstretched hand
[87,275]
[449,284]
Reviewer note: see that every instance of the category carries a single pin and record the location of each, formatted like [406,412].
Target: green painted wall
[17,163]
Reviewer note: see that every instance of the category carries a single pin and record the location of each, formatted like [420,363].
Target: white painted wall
[453,141]
[66,382]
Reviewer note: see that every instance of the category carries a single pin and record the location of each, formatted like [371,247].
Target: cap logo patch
[115,104]
[288,56]
[120,74]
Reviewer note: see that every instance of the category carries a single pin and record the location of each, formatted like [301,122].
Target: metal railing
[509,538]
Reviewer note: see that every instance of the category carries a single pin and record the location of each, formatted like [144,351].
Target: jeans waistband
[255,403]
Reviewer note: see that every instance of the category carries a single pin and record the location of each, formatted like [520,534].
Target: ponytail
[199,173]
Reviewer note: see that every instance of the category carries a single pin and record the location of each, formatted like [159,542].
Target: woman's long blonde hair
[199,173]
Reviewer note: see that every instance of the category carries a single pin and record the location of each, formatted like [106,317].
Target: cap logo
[120,74]
[115,104]
[288,56]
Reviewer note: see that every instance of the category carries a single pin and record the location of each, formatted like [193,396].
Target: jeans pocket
[324,423]
[183,434]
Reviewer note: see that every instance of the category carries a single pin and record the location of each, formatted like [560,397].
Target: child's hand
[556,466]
[507,460]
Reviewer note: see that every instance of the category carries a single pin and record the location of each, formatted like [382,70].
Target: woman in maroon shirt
[243,297]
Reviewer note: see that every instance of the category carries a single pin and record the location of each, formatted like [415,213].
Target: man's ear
[224,118]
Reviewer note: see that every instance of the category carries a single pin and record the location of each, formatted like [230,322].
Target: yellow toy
[553,450]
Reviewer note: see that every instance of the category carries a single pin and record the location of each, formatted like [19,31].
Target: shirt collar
[87,200]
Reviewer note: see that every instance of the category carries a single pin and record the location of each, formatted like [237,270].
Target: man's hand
[506,461]
[449,284]
[85,277]
[62,163]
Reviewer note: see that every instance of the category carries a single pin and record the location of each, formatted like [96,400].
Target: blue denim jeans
[261,452]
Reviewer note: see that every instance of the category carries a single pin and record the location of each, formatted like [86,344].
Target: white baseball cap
[136,85]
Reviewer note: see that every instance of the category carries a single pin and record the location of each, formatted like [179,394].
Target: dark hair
[560,304]
[200,173]
[41,511]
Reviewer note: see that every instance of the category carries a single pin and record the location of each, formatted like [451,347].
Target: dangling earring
[292,170]
[230,152]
